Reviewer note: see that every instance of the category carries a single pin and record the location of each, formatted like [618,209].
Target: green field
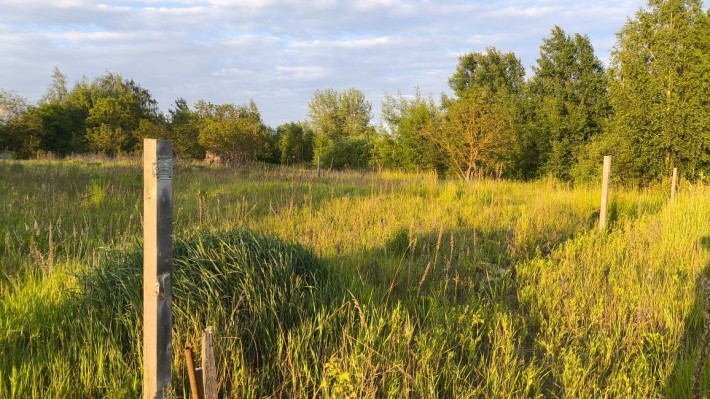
[354,285]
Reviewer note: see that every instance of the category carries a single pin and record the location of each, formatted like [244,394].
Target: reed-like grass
[354,285]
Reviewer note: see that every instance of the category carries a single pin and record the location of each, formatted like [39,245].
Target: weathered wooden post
[189,361]
[674,182]
[319,167]
[605,192]
[157,266]
[209,369]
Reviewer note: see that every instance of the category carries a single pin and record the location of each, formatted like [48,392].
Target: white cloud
[278,51]
[299,73]
[77,36]
[345,44]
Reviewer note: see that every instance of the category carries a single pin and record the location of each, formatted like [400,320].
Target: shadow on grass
[681,380]
[254,289]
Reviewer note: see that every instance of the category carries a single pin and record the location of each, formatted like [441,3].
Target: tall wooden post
[674,183]
[605,192]
[157,266]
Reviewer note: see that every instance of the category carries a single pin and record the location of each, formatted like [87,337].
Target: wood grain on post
[605,192]
[674,183]
[194,391]
[209,369]
[157,267]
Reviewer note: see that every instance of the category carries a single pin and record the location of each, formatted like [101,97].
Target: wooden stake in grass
[605,192]
[674,182]
[209,370]
[157,267]
[318,167]
[194,391]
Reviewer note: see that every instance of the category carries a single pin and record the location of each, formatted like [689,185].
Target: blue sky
[277,52]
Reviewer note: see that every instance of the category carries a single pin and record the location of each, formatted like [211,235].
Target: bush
[347,153]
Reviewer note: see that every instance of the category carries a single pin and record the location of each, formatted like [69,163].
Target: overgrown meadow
[353,285]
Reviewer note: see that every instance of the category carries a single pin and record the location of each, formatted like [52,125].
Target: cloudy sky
[278,52]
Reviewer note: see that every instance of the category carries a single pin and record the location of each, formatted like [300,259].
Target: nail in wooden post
[209,370]
[674,182]
[157,267]
[605,192]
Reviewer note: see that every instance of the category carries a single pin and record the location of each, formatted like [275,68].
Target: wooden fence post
[189,361]
[157,267]
[319,167]
[209,369]
[674,183]
[605,192]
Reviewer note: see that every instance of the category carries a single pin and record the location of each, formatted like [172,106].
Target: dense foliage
[649,111]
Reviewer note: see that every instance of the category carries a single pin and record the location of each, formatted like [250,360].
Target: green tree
[234,132]
[28,129]
[295,143]
[481,129]
[148,129]
[115,108]
[24,133]
[476,134]
[58,122]
[407,143]
[660,80]
[335,116]
[11,105]
[497,71]
[569,101]
[184,131]
[348,153]
[57,90]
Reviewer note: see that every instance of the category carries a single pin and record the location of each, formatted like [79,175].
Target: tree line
[649,110]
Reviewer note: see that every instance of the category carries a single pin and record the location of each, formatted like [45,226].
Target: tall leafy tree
[481,129]
[184,130]
[11,105]
[497,71]
[236,133]
[116,108]
[57,90]
[295,143]
[27,129]
[569,101]
[335,116]
[24,133]
[659,91]
[407,143]
[476,134]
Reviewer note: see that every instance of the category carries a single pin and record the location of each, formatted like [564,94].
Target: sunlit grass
[354,285]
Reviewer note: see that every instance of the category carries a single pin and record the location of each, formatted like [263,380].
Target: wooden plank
[605,193]
[318,168]
[194,391]
[157,267]
[674,182]
[209,369]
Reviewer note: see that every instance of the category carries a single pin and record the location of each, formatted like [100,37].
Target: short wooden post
[194,391]
[605,192]
[157,267]
[209,369]
[674,182]
[318,167]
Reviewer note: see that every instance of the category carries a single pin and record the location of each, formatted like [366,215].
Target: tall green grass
[355,285]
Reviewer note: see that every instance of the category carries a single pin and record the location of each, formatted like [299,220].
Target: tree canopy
[649,110]
[660,80]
